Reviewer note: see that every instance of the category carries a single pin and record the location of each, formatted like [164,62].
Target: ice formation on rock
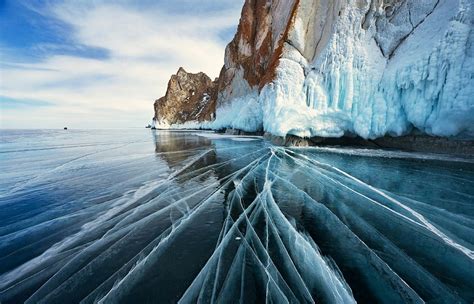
[371,68]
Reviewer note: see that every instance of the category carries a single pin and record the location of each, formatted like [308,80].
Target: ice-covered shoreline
[409,143]
[376,69]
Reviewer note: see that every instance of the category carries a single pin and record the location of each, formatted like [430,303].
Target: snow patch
[243,113]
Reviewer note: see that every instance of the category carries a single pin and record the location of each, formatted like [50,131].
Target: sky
[102,63]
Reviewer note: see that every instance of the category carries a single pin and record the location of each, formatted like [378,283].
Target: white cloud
[145,46]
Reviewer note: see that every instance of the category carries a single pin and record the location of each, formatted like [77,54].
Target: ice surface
[196,217]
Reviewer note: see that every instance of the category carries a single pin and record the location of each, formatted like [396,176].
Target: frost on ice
[379,70]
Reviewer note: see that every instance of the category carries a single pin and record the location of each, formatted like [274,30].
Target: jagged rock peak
[189,97]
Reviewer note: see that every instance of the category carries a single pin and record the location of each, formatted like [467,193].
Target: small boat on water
[65,128]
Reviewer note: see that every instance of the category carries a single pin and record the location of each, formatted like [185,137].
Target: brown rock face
[269,31]
[252,56]
[189,97]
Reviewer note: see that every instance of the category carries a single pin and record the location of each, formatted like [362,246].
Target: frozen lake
[139,216]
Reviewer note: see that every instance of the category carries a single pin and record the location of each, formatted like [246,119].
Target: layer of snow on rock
[243,113]
[188,125]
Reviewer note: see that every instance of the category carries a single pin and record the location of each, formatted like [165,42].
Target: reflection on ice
[225,220]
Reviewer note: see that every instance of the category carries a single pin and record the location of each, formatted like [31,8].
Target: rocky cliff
[329,68]
[189,97]
[367,67]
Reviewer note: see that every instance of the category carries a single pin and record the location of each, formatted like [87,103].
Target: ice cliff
[373,68]
[368,67]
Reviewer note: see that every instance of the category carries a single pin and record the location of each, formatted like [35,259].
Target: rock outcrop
[189,97]
[366,67]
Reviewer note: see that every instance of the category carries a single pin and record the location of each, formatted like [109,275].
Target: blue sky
[96,64]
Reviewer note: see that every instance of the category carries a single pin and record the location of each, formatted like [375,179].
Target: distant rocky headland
[189,97]
[376,70]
